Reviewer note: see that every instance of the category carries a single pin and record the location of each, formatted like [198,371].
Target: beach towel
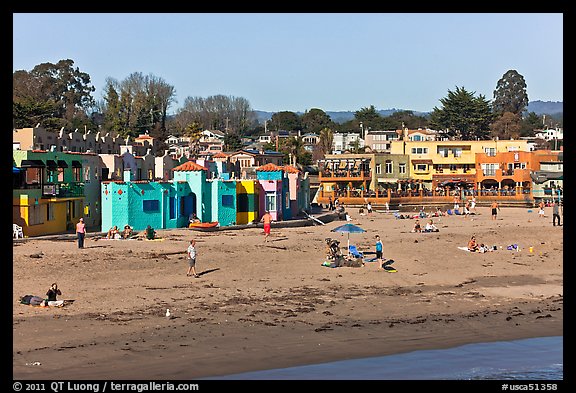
[464,249]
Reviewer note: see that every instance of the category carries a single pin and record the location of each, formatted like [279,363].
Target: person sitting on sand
[113,233]
[127,232]
[150,233]
[430,227]
[472,245]
[194,219]
[417,227]
[53,292]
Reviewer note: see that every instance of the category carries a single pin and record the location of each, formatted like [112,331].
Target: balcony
[63,190]
[343,175]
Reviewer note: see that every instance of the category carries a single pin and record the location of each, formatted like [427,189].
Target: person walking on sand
[556,213]
[379,248]
[191,251]
[541,209]
[267,220]
[495,209]
[369,208]
[81,232]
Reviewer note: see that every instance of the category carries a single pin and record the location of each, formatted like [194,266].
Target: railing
[63,190]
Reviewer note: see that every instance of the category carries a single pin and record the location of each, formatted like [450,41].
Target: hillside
[555,108]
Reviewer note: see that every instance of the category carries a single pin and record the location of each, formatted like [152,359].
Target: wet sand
[269,305]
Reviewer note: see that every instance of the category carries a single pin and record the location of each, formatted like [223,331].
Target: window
[490,151]
[378,169]
[172,207]
[87,174]
[34,176]
[270,202]
[77,174]
[150,205]
[287,201]
[443,151]
[457,152]
[228,200]
[150,174]
[419,150]
[402,168]
[489,169]
[453,168]
[417,138]
[49,212]
[389,166]
[421,167]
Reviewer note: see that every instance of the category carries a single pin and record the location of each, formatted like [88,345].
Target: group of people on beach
[114,233]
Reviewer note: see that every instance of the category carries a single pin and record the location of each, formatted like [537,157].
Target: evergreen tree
[463,116]
[510,94]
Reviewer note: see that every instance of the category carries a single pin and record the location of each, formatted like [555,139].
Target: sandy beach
[268,305]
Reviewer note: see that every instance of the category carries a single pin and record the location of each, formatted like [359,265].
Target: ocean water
[528,359]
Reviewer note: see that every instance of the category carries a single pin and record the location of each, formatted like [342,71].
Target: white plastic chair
[17,231]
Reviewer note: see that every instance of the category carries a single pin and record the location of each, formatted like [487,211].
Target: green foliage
[286,120]
[232,141]
[315,119]
[510,94]
[530,123]
[463,116]
[53,95]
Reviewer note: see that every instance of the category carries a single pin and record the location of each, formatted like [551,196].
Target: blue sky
[295,62]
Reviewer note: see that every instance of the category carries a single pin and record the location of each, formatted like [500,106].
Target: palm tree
[194,132]
[326,140]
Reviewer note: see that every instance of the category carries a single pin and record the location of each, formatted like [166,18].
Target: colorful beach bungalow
[52,190]
[168,204]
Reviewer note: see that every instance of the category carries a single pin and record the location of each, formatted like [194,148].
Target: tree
[230,114]
[137,104]
[194,132]
[315,119]
[510,94]
[530,123]
[326,140]
[463,116]
[57,94]
[506,126]
[232,141]
[285,120]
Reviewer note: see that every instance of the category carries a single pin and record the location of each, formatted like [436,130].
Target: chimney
[127,175]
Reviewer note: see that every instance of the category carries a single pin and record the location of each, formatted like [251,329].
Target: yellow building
[437,163]
[247,201]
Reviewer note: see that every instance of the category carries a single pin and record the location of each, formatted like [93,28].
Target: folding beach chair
[354,252]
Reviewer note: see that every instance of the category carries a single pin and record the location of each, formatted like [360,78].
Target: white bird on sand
[168,315]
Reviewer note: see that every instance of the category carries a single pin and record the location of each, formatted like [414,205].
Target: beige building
[435,161]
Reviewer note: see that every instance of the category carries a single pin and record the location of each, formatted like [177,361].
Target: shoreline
[271,305]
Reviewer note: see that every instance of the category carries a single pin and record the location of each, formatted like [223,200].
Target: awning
[32,163]
[76,164]
[421,161]
[62,164]
[343,164]
[51,164]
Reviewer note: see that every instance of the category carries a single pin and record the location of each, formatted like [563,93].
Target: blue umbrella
[348,228]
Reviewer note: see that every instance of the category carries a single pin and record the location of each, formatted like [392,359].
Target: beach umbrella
[348,229]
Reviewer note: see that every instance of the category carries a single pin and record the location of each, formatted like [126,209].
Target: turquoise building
[168,204]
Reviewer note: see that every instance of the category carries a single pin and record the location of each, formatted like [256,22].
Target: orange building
[509,172]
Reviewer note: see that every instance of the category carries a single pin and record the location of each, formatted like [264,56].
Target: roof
[290,169]
[220,155]
[269,168]
[189,166]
